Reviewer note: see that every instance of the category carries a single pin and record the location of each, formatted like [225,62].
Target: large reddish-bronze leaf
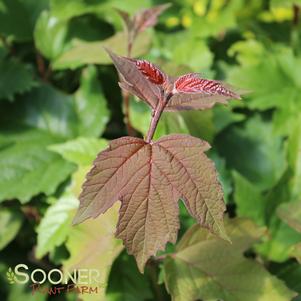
[134,80]
[149,179]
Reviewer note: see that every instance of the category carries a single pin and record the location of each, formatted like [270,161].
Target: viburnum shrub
[149,177]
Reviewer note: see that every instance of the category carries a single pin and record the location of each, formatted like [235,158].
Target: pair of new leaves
[149,178]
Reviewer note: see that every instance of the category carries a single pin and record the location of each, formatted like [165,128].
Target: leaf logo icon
[10,275]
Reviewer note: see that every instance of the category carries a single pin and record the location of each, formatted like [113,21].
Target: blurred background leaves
[60,104]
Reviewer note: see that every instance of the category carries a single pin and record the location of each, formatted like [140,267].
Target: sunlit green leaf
[50,35]
[81,151]
[55,225]
[27,168]
[207,268]
[83,52]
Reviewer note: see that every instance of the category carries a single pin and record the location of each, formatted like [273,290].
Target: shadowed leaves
[149,179]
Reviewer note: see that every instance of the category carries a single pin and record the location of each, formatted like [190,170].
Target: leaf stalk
[156,117]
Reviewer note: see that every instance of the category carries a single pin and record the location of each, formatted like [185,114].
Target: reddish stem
[296,11]
[155,118]
[126,99]
[42,67]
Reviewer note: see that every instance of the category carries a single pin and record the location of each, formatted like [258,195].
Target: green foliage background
[60,104]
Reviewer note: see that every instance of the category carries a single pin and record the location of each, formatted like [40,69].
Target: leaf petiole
[156,114]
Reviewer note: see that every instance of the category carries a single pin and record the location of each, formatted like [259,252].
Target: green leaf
[259,154]
[10,224]
[126,283]
[207,268]
[188,53]
[296,252]
[280,241]
[277,64]
[249,200]
[27,168]
[224,175]
[294,159]
[93,245]
[55,225]
[282,237]
[290,272]
[83,52]
[15,77]
[17,17]
[290,213]
[62,115]
[71,8]
[50,35]
[81,151]
[283,3]
[91,105]
[49,110]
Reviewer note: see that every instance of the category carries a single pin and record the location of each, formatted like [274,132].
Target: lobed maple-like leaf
[148,179]
[187,92]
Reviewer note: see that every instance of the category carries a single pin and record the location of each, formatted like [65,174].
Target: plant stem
[296,11]
[126,101]
[155,120]
[295,25]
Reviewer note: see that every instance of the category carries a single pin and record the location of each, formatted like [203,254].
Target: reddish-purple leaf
[151,72]
[129,24]
[134,81]
[188,92]
[148,17]
[149,179]
[192,83]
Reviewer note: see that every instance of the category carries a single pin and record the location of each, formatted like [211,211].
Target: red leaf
[192,83]
[134,81]
[151,72]
[129,24]
[148,17]
[149,179]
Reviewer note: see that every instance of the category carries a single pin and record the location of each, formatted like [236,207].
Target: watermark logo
[82,281]
[10,275]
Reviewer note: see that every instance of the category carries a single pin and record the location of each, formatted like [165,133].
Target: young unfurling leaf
[187,92]
[192,83]
[149,179]
[148,17]
[151,72]
[141,20]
